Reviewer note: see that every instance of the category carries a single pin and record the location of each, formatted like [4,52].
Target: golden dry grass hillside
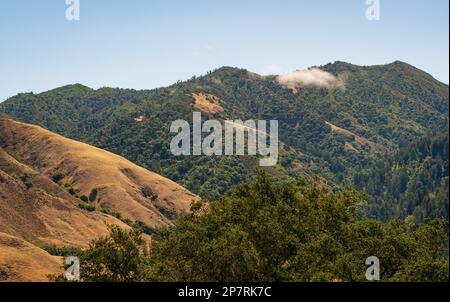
[37,210]
[22,261]
[34,211]
[358,140]
[207,102]
[40,218]
[110,181]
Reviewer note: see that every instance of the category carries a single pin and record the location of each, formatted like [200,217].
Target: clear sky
[151,43]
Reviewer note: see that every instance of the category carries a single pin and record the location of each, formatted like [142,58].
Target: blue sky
[152,43]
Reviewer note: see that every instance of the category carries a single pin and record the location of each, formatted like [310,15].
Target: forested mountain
[382,129]
[332,132]
[414,181]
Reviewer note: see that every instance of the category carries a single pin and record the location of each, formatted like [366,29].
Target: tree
[119,257]
[269,231]
[57,176]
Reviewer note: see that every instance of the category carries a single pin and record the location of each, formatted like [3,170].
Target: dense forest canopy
[413,182]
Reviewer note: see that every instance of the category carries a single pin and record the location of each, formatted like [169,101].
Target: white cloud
[309,77]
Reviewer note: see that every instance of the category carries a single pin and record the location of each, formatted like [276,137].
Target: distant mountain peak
[73,87]
[228,70]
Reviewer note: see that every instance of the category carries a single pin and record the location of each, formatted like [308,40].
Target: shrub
[112,213]
[147,192]
[62,251]
[84,198]
[71,191]
[25,179]
[57,177]
[142,227]
[87,207]
[93,195]
[128,222]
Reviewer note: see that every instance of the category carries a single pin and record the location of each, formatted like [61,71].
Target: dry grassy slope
[358,139]
[119,182]
[39,218]
[207,102]
[22,261]
[12,167]
[41,214]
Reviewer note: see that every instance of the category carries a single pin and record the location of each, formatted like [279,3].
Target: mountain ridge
[387,105]
[225,69]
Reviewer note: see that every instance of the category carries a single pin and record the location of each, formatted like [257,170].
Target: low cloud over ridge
[309,77]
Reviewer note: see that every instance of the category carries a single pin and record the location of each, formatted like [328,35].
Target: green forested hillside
[413,182]
[333,133]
